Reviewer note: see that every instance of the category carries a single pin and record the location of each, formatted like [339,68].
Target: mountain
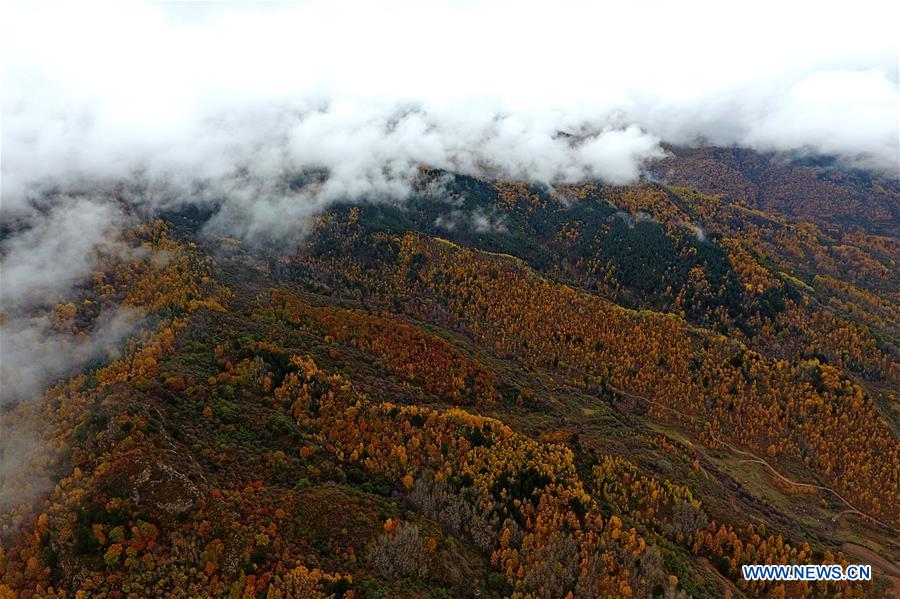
[490,389]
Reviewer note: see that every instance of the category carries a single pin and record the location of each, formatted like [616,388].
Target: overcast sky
[200,87]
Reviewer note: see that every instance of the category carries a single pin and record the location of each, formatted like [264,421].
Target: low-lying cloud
[35,355]
[204,91]
[58,248]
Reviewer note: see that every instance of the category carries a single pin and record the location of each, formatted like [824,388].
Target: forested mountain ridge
[818,189]
[490,389]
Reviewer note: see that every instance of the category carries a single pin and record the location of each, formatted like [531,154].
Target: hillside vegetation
[489,390]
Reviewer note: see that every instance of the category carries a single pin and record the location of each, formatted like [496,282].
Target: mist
[201,91]
[57,250]
[35,355]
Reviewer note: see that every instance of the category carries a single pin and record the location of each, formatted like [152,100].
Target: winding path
[852,509]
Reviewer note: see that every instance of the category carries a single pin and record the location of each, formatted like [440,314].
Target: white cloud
[35,355]
[836,112]
[61,247]
[55,251]
[190,90]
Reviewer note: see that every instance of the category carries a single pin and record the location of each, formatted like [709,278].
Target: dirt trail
[755,458]
[881,565]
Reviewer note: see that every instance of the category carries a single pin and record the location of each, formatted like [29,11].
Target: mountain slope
[489,390]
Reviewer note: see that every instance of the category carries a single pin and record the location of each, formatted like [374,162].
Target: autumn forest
[489,389]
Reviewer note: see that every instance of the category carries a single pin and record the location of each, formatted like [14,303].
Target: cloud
[20,449]
[478,220]
[35,355]
[55,250]
[847,113]
[187,91]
